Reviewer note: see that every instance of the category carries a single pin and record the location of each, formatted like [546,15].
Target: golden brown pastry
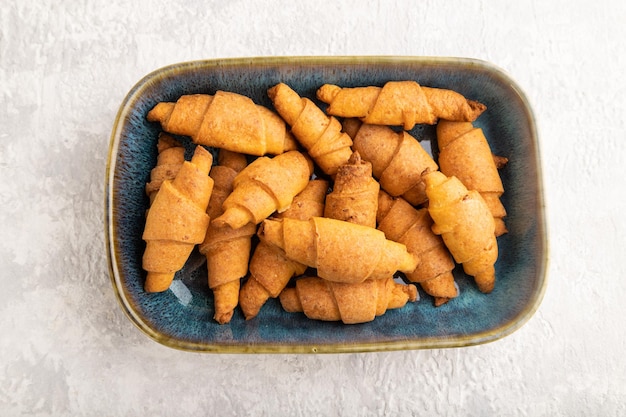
[401,222]
[399,103]
[341,251]
[177,221]
[265,186]
[225,120]
[466,225]
[354,197]
[397,159]
[320,299]
[319,134]
[171,155]
[465,153]
[227,250]
[270,269]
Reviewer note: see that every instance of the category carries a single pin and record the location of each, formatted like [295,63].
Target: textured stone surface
[66,347]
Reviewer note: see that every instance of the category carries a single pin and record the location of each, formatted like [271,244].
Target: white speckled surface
[67,349]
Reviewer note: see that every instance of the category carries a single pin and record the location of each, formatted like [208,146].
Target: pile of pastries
[324,206]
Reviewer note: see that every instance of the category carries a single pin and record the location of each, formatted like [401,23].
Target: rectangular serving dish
[181,317]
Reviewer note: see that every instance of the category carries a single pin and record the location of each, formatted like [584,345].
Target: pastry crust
[225,120]
[320,299]
[403,223]
[318,133]
[265,186]
[227,250]
[177,221]
[171,155]
[354,197]
[466,225]
[399,103]
[397,159]
[332,246]
[270,269]
[465,153]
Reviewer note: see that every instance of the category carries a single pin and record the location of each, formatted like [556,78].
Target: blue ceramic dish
[181,317]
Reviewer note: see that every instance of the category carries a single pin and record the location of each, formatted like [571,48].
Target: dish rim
[456,341]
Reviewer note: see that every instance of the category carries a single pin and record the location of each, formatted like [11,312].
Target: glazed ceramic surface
[181,317]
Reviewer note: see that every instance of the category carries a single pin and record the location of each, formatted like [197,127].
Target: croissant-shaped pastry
[319,134]
[397,159]
[227,250]
[465,153]
[229,165]
[354,197]
[265,186]
[320,299]
[341,251]
[270,269]
[177,221]
[399,103]
[225,120]
[466,225]
[401,222]
[171,155]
